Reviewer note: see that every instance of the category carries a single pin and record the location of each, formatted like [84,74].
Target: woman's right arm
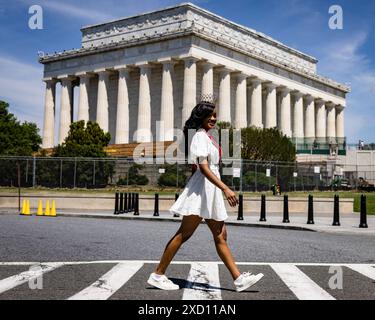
[229,194]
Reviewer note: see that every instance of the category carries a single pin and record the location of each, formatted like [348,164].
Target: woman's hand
[231,197]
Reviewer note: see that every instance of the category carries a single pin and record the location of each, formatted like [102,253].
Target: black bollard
[263,208]
[363,222]
[129,202]
[310,214]
[156,207]
[240,207]
[176,215]
[116,203]
[121,203]
[286,210]
[133,202]
[136,205]
[336,211]
[126,210]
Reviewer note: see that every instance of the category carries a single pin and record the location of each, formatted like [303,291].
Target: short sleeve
[199,148]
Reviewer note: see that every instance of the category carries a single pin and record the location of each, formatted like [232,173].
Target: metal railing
[241,175]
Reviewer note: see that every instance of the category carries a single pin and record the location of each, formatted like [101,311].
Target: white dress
[200,196]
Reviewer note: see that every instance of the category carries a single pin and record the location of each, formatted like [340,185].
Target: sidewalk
[323,222]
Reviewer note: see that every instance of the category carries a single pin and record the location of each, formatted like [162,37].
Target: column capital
[168,60]
[143,65]
[84,74]
[339,108]
[50,80]
[309,98]
[188,57]
[319,102]
[256,81]
[241,76]
[330,105]
[207,65]
[270,85]
[284,89]
[297,94]
[224,70]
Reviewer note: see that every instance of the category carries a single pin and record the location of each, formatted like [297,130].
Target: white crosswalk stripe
[299,283]
[35,272]
[203,280]
[366,270]
[109,283]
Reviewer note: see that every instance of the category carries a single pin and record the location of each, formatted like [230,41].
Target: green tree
[84,140]
[170,179]
[17,139]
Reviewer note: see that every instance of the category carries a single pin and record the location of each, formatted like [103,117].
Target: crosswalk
[111,280]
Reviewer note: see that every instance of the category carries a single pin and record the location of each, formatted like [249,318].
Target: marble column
[224,96]
[122,117]
[310,117]
[49,113]
[285,112]
[144,133]
[340,125]
[66,107]
[271,106]
[102,102]
[167,104]
[320,120]
[298,130]
[83,104]
[241,102]
[208,79]
[331,122]
[190,88]
[256,104]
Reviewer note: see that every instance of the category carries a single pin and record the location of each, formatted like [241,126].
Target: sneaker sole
[239,289]
[157,285]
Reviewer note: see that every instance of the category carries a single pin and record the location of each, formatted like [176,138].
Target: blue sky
[344,55]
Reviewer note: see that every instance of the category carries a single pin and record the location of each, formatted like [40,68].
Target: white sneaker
[246,280]
[162,282]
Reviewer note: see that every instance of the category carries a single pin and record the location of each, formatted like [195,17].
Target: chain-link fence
[241,175]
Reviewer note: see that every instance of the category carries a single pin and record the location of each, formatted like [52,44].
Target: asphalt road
[82,239]
[86,249]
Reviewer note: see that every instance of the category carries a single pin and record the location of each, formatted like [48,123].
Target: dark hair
[200,112]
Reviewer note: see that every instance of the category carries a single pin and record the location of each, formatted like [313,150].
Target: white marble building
[135,71]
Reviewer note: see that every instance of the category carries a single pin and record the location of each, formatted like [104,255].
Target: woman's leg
[188,225]
[219,233]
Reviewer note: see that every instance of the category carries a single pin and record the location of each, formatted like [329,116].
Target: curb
[229,223]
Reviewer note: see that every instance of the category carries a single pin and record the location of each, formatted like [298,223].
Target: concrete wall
[106,203]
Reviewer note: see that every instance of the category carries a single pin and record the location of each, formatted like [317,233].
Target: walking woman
[202,199]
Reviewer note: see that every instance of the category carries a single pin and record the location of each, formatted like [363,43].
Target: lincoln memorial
[135,71]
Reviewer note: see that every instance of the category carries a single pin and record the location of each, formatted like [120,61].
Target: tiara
[208,98]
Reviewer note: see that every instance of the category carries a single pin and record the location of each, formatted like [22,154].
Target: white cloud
[343,61]
[22,88]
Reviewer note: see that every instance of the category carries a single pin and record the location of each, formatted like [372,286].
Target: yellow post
[23,209]
[40,208]
[48,212]
[53,210]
